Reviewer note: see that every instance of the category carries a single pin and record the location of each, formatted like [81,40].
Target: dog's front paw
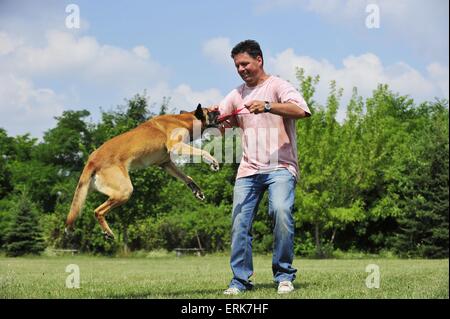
[108,236]
[199,195]
[214,166]
[68,231]
[196,191]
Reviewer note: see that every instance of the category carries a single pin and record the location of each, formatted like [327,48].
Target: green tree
[423,187]
[376,180]
[66,145]
[6,151]
[321,203]
[25,169]
[24,235]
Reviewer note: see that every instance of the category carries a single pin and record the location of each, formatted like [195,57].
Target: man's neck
[260,80]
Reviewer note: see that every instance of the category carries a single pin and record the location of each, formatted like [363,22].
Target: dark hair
[248,46]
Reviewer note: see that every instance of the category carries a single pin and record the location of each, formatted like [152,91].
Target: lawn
[192,277]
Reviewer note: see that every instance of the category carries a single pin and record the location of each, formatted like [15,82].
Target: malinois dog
[148,144]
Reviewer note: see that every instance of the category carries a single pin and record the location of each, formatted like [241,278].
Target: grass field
[167,276]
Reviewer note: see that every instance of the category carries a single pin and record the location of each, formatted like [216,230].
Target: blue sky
[181,49]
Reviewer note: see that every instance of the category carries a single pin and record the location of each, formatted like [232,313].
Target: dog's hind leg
[171,168]
[115,183]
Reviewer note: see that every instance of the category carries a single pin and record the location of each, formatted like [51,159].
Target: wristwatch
[267,106]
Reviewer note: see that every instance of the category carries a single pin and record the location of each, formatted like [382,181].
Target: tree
[376,180]
[423,188]
[67,145]
[321,202]
[164,106]
[24,235]
[6,150]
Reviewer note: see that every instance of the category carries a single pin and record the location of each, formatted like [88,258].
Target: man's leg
[281,186]
[247,195]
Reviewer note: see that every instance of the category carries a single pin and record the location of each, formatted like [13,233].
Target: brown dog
[148,144]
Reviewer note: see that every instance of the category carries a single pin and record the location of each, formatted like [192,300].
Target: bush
[24,234]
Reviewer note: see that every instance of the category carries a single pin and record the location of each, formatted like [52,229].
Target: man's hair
[248,46]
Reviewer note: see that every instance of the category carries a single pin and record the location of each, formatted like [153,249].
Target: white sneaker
[232,291]
[285,287]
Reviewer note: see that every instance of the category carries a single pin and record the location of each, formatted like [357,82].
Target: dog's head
[208,117]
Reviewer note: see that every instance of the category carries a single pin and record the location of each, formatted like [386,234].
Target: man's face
[249,68]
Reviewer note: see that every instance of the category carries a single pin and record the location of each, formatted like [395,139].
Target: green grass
[167,276]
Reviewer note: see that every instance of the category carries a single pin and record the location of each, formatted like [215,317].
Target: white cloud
[80,62]
[420,25]
[62,52]
[218,50]
[83,58]
[141,51]
[440,74]
[8,44]
[25,108]
[205,97]
[74,63]
[365,72]
[183,97]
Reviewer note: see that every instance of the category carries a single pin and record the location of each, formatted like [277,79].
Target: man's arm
[289,110]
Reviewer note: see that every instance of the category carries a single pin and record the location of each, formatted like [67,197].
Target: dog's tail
[80,194]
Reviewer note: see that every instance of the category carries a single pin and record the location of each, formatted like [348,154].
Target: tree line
[377,181]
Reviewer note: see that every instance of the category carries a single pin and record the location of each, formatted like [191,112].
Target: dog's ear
[182,112]
[199,112]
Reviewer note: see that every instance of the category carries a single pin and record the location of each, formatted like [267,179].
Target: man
[264,104]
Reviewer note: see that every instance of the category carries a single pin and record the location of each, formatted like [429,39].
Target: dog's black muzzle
[213,117]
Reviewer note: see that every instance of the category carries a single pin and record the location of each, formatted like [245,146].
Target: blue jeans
[248,192]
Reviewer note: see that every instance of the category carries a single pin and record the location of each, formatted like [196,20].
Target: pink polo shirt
[268,141]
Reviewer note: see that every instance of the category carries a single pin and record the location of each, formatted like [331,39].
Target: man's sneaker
[285,287]
[232,291]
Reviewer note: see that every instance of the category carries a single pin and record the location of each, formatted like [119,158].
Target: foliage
[24,235]
[373,181]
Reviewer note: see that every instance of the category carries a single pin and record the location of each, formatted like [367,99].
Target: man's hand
[214,107]
[255,106]
[222,126]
